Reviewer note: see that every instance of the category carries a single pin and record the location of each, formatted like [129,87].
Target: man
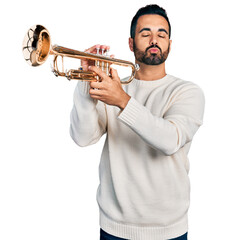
[149,125]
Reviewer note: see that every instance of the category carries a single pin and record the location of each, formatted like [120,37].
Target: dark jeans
[107,236]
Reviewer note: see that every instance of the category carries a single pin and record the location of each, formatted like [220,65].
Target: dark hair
[149,9]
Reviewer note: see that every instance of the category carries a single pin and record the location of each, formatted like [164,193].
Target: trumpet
[37,47]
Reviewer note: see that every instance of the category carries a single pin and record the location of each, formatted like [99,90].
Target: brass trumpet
[37,47]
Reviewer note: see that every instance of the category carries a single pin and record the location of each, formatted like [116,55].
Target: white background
[47,183]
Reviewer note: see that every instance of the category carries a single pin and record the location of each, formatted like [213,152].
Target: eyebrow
[144,29]
[148,29]
[162,30]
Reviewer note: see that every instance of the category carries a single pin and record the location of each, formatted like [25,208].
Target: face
[151,44]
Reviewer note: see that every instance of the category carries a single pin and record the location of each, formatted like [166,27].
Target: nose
[153,40]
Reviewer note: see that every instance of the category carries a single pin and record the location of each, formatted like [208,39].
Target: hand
[86,63]
[109,90]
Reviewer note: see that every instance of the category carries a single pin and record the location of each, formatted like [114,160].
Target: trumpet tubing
[37,47]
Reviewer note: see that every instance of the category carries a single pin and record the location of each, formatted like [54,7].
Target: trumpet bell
[36,45]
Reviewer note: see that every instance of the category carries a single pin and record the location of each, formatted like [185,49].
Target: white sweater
[144,185]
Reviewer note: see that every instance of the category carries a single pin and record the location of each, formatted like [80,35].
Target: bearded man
[144,188]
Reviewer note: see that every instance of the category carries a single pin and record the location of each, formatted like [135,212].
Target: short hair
[148,9]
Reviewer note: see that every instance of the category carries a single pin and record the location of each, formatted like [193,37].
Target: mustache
[153,46]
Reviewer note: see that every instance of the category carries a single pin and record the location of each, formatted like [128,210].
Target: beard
[151,58]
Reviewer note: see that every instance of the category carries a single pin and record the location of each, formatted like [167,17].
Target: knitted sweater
[144,185]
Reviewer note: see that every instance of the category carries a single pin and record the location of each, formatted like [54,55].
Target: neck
[150,72]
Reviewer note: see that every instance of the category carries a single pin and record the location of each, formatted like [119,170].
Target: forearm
[158,132]
[87,119]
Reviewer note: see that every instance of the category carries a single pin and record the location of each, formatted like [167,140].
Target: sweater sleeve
[175,128]
[87,118]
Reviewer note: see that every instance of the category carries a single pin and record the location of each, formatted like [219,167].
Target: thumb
[114,74]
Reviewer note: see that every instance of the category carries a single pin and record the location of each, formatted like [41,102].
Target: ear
[130,42]
[170,44]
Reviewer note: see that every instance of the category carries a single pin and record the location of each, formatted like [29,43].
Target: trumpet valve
[98,50]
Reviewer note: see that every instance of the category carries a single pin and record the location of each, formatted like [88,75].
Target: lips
[153,50]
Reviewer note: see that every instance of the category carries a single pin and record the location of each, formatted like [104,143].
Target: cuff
[82,95]
[130,112]
[83,87]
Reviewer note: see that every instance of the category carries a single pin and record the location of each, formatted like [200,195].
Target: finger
[84,65]
[97,85]
[114,74]
[95,92]
[95,97]
[99,72]
[93,49]
[86,62]
[104,48]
